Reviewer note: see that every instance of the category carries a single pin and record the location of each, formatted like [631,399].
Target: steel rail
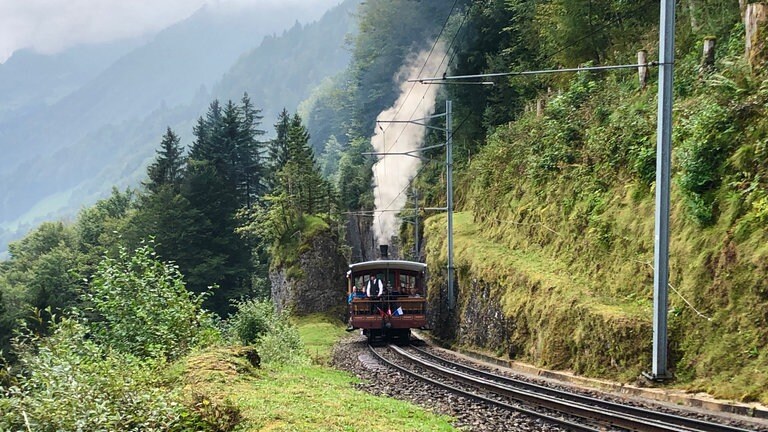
[474,396]
[686,422]
[576,409]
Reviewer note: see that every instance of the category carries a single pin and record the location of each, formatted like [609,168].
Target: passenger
[356,293]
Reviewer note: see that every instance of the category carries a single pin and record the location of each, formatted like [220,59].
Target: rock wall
[360,238]
[315,282]
[514,313]
[537,328]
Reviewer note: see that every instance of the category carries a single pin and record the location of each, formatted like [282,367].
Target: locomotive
[387,298]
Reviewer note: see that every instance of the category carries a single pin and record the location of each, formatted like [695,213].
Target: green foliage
[69,382]
[706,137]
[98,228]
[300,192]
[144,307]
[41,275]
[167,169]
[578,31]
[251,321]
[277,340]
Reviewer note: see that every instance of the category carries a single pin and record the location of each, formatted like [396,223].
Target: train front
[387,297]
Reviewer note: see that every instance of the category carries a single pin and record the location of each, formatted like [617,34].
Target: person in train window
[356,293]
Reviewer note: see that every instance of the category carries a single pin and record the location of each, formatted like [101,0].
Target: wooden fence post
[708,55]
[642,71]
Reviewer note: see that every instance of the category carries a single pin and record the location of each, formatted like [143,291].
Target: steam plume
[392,174]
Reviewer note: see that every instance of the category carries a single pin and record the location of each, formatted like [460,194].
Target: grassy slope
[560,221]
[296,398]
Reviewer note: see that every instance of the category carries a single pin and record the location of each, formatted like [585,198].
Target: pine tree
[301,160]
[207,132]
[168,168]
[250,152]
[278,147]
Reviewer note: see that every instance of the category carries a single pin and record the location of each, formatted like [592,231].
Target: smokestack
[384,249]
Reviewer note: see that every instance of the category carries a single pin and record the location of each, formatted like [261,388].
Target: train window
[408,284]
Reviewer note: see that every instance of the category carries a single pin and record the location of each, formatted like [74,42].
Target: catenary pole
[449,195]
[663,161]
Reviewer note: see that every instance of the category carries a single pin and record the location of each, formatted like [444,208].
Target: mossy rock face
[314,281]
[512,305]
[558,335]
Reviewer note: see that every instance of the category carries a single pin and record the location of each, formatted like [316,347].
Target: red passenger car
[399,307]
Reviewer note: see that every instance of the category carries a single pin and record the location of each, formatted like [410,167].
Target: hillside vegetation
[559,208]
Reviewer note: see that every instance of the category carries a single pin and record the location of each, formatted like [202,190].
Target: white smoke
[392,174]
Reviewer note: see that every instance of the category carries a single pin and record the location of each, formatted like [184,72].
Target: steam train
[387,298]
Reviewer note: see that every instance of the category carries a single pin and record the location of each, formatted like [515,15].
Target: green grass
[495,260]
[319,333]
[313,398]
[223,386]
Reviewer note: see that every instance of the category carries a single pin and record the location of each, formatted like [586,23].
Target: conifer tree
[278,147]
[250,152]
[168,167]
[207,131]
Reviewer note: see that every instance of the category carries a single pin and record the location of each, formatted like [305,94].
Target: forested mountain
[103,134]
[294,62]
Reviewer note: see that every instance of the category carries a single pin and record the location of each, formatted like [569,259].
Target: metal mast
[449,199]
[663,158]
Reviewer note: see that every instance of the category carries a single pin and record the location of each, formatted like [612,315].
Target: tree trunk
[755,19]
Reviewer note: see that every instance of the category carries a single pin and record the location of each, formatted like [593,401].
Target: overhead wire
[410,182]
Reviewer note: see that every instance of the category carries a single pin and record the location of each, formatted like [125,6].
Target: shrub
[69,382]
[707,136]
[251,321]
[145,308]
[276,339]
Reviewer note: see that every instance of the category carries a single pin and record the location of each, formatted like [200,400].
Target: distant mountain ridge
[31,81]
[104,133]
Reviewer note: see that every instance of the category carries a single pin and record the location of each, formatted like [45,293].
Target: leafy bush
[276,339]
[69,382]
[707,135]
[251,321]
[145,308]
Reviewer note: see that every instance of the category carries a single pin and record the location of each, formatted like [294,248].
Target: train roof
[388,264]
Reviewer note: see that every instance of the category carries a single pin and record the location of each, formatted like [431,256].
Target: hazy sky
[51,25]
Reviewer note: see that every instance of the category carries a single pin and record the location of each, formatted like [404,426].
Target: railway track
[565,409]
